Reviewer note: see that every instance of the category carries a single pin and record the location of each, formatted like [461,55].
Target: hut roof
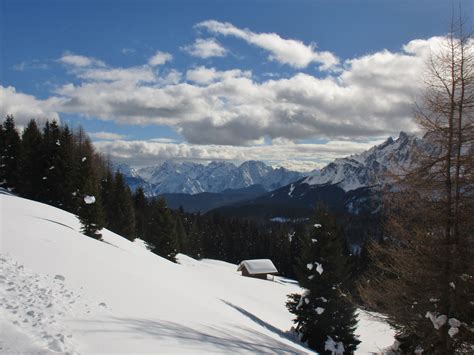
[258,266]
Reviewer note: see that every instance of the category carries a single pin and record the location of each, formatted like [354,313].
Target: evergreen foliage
[324,310]
[140,204]
[160,231]
[30,163]
[121,214]
[10,152]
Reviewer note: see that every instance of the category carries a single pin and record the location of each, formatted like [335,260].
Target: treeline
[59,166]
[56,165]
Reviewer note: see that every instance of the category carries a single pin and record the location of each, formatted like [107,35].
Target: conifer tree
[180,233]
[31,166]
[87,195]
[67,170]
[160,230]
[10,153]
[324,314]
[122,214]
[90,211]
[51,175]
[141,206]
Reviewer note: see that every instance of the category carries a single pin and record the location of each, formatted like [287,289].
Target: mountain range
[257,190]
[194,178]
[347,185]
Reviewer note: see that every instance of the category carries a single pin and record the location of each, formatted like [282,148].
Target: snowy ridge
[194,178]
[371,167]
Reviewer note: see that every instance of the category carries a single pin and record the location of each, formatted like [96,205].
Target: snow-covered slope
[62,291]
[370,167]
[193,178]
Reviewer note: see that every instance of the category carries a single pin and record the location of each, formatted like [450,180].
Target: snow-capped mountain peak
[217,176]
[370,167]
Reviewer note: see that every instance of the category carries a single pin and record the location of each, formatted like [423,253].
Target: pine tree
[31,166]
[160,230]
[10,154]
[90,211]
[51,176]
[141,206]
[87,195]
[120,209]
[323,312]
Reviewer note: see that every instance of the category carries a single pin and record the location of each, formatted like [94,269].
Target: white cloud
[205,48]
[28,65]
[171,77]
[203,75]
[80,60]
[131,75]
[128,51]
[25,107]
[107,136]
[160,58]
[286,51]
[371,96]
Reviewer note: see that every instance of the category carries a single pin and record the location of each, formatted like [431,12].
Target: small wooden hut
[257,268]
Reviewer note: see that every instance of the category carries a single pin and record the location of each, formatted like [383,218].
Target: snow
[292,188]
[437,320]
[369,167]
[61,291]
[319,268]
[319,310]
[331,345]
[453,331]
[89,200]
[258,266]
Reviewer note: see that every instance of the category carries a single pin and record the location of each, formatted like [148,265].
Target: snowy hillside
[194,178]
[61,291]
[369,167]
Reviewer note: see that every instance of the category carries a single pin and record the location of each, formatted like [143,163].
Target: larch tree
[423,276]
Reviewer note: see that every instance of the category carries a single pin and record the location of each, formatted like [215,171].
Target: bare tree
[423,280]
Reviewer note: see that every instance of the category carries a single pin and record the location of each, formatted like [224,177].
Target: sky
[294,83]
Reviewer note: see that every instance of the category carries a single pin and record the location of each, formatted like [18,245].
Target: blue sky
[295,83]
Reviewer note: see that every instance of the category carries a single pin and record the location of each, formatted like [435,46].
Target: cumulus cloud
[371,96]
[203,75]
[160,58]
[80,60]
[25,107]
[303,157]
[205,48]
[107,136]
[286,51]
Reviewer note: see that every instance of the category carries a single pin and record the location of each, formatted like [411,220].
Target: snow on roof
[258,266]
